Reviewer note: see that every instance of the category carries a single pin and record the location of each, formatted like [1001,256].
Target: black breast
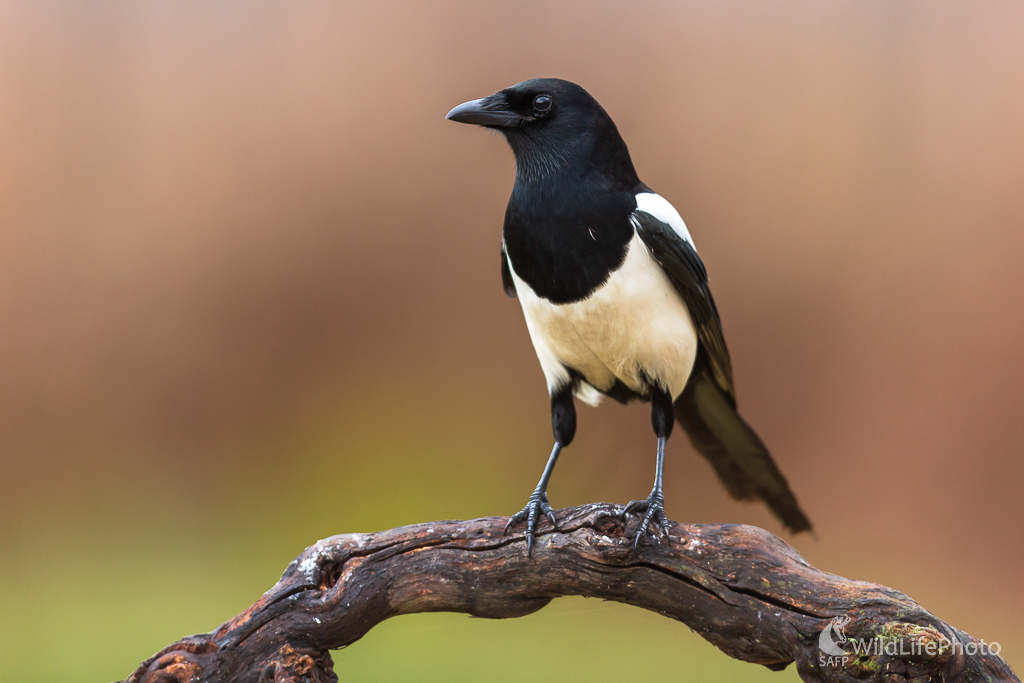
[564,241]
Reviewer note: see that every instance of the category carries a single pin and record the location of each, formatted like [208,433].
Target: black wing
[679,260]
[506,274]
[707,407]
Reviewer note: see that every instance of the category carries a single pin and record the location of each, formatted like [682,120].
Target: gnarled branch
[740,587]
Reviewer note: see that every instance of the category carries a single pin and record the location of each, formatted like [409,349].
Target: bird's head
[553,126]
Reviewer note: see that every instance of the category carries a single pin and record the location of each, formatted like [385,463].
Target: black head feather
[554,127]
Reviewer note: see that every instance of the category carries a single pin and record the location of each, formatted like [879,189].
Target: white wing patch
[659,207]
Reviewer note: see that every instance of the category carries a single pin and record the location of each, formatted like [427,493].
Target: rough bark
[741,588]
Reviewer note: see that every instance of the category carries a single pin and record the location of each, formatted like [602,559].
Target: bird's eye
[541,103]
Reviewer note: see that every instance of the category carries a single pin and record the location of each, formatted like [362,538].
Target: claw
[654,512]
[632,506]
[537,504]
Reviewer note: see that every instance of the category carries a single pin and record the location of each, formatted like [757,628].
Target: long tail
[739,457]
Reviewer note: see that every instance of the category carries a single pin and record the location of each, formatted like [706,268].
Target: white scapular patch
[634,326]
[659,207]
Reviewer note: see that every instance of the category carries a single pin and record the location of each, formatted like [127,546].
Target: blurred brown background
[249,297]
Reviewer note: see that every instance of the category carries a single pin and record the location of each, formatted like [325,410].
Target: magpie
[615,297]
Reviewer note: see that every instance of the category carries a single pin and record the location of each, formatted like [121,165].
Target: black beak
[490,111]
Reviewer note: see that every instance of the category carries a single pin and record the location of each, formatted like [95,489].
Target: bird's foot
[537,505]
[653,508]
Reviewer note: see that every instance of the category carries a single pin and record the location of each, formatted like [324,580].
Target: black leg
[563,424]
[662,419]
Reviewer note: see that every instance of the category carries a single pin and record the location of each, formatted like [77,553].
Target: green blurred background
[249,298]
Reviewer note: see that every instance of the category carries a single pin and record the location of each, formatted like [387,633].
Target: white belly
[634,328]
